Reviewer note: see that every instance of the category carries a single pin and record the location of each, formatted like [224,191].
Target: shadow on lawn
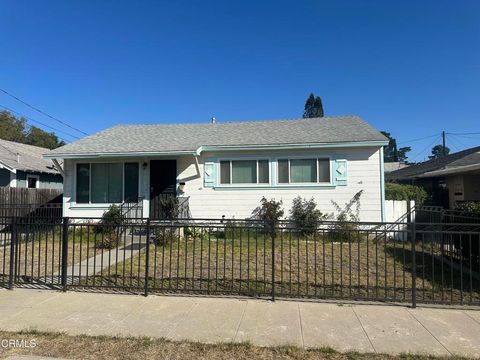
[439,276]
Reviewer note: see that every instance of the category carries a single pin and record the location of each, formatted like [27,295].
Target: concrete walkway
[362,328]
[102,261]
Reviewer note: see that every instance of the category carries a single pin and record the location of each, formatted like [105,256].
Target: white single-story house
[23,166]
[224,169]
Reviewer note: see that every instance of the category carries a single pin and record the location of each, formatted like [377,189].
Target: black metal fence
[413,263]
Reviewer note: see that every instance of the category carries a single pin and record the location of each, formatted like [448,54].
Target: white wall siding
[207,202]
[363,174]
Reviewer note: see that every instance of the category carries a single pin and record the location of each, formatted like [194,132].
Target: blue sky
[408,67]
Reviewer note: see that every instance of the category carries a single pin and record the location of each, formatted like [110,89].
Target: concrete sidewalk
[362,328]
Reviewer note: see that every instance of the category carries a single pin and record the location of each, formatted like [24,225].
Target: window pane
[263,172]
[324,170]
[303,170]
[99,183]
[115,183]
[244,172]
[283,171]
[83,183]
[107,183]
[131,182]
[224,172]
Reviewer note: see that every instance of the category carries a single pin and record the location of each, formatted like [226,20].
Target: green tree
[391,153]
[11,128]
[16,129]
[313,107]
[437,151]
[402,154]
[38,137]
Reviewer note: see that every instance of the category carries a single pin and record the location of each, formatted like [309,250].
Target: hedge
[472,207]
[395,191]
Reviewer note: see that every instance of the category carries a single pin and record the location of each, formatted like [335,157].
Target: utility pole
[444,151]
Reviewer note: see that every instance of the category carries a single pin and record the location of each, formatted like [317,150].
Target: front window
[244,172]
[103,183]
[291,171]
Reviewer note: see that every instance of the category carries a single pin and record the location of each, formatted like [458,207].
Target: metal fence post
[13,244]
[273,235]
[64,252]
[414,265]
[147,261]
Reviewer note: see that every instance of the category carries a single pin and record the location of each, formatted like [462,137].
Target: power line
[413,140]
[42,112]
[469,137]
[38,122]
[452,143]
[428,146]
[459,141]
[472,133]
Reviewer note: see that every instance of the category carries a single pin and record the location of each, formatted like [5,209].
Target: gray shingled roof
[189,137]
[30,158]
[466,157]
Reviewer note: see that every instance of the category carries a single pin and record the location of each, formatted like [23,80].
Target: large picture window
[104,183]
[244,172]
[294,171]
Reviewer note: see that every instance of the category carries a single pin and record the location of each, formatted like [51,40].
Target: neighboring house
[392,166]
[23,166]
[226,168]
[452,178]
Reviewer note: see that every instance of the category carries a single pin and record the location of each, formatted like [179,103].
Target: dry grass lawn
[89,347]
[39,253]
[360,268]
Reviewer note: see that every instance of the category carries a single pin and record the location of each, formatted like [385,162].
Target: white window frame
[256,159]
[32,176]
[299,157]
[90,181]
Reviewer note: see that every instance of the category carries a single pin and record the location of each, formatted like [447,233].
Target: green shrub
[269,211]
[109,228]
[470,207]
[170,208]
[394,191]
[345,227]
[305,215]
[164,236]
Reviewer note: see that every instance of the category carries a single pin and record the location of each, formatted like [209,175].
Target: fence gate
[32,252]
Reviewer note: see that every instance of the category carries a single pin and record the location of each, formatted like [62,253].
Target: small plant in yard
[164,236]
[108,228]
[170,207]
[346,219]
[269,211]
[305,215]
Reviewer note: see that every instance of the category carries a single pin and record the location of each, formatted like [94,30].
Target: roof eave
[199,150]
[8,167]
[115,154]
[451,170]
[372,143]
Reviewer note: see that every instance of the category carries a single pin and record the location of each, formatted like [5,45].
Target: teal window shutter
[340,173]
[209,174]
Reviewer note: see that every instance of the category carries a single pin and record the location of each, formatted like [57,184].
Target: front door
[163,183]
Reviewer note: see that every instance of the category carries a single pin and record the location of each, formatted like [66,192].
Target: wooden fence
[23,201]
